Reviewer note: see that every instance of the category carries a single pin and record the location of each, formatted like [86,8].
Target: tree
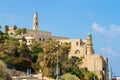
[35,49]
[75,61]
[18,32]
[87,74]
[8,49]
[24,30]
[14,27]
[23,64]
[23,50]
[15,53]
[0,26]
[21,31]
[6,28]
[4,73]
[78,73]
[1,36]
[72,66]
[47,59]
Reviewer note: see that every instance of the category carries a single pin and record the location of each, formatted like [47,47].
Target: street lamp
[57,68]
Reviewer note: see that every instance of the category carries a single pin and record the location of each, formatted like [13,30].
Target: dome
[89,34]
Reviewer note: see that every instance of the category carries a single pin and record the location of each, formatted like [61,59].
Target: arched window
[36,23]
[29,41]
[77,51]
[39,39]
[43,39]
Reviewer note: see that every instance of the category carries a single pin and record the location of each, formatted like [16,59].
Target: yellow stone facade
[94,62]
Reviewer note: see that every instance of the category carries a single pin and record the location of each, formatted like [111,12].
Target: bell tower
[35,22]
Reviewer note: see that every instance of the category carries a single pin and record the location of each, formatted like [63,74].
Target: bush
[69,76]
[4,73]
[77,72]
[23,64]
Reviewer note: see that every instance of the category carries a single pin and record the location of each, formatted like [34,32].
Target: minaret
[89,44]
[35,22]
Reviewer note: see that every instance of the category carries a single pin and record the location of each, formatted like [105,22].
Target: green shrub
[69,76]
[4,73]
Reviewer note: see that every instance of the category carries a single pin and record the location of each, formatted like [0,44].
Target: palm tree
[14,27]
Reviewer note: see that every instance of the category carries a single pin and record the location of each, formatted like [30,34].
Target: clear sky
[73,19]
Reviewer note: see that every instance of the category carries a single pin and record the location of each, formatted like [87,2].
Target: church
[39,34]
[80,48]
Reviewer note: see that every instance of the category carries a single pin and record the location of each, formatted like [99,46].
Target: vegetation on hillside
[41,56]
[14,53]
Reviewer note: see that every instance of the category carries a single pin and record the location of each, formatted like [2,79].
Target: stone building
[11,30]
[80,48]
[39,34]
[94,62]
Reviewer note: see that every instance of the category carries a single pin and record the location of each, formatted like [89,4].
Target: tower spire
[35,22]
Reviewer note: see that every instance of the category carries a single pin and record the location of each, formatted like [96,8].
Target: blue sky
[73,19]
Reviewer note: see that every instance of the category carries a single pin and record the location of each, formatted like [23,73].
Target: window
[43,39]
[36,23]
[103,68]
[77,51]
[39,39]
[76,43]
[29,41]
